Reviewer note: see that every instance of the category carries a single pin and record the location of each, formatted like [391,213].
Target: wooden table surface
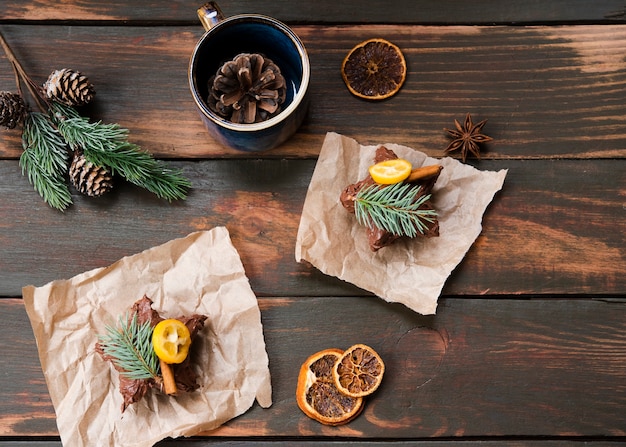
[528,346]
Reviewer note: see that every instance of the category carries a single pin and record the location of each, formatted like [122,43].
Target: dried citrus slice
[316,393]
[359,371]
[374,69]
[390,171]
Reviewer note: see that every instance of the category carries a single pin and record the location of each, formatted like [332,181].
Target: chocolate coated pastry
[377,237]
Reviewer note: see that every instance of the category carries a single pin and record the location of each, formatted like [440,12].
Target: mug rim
[284,114]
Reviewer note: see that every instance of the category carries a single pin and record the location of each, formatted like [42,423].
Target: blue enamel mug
[226,38]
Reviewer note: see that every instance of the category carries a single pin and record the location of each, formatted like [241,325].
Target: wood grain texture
[557,227]
[293,442]
[528,346]
[484,367]
[548,92]
[325,11]
[378,443]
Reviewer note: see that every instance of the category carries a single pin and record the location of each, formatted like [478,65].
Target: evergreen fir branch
[40,136]
[165,183]
[394,208]
[48,135]
[44,160]
[139,168]
[51,187]
[107,145]
[125,159]
[130,348]
[79,132]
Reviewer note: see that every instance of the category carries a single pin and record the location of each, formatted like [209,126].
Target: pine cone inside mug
[248,89]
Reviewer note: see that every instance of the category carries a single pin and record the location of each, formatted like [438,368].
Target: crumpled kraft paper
[201,273]
[411,271]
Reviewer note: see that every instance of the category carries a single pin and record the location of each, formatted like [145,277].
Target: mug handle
[210,15]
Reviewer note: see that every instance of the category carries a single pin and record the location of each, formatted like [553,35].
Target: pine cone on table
[69,87]
[89,179]
[13,109]
[248,89]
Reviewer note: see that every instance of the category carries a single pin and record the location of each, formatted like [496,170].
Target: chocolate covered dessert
[422,219]
[136,336]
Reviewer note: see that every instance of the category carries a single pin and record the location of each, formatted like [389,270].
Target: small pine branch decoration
[108,145]
[129,346]
[52,137]
[44,140]
[44,160]
[396,208]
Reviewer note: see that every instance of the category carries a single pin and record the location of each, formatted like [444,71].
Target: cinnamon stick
[169,384]
[423,172]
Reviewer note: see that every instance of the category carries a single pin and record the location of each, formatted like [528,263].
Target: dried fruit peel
[359,371]
[317,395]
[321,393]
[374,69]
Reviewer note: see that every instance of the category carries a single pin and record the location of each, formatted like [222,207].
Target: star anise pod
[467,138]
[248,89]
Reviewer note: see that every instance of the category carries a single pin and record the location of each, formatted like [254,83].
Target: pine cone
[248,89]
[88,178]
[69,87]
[13,109]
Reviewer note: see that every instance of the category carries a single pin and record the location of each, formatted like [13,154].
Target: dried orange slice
[374,69]
[316,393]
[359,371]
[389,172]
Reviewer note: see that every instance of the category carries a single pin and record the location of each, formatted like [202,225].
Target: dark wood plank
[528,346]
[327,11]
[25,405]
[548,92]
[291,442]
[557,227]
[479,368]
[377,443]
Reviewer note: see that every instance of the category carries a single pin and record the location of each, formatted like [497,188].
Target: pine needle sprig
[44,160]
[79,132]
[108,145]
[394,208]
[44,140]
[165,183]
[51,135]
[129,346]
[124,159]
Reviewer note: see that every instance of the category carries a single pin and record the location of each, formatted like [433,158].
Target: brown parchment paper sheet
[200,273]
[411,272]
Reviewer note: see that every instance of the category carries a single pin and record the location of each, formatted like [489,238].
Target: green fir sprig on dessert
[396,208]
[129,347]
[59,144]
